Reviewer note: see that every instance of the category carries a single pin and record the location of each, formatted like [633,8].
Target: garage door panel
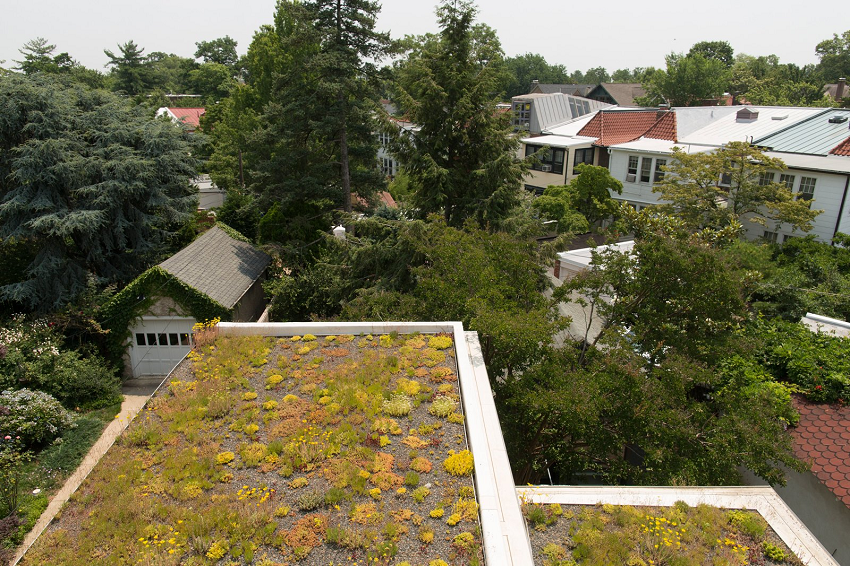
[158,344]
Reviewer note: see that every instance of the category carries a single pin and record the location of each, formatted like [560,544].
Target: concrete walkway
[136,394]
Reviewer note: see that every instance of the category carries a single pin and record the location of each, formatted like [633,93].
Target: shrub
[36,417]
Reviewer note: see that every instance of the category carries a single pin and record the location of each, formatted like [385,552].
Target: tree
[95,184]
[132,75]
[596,75]
[834,57]
[221,51]
[37,58]
[663,399]
[529,67]
[462,160]
[584,202]
[718,50]
[694,189]
[690,80]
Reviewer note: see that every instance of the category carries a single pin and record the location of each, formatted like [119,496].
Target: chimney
[839,88]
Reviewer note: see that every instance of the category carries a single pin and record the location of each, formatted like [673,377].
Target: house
[220,274]
[570,263]
[189,117]
[387,162]
[533,113]
[572,89]
[836,91]
[812,142]
[621,94]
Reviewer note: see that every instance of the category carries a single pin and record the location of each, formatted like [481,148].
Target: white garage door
[159,343]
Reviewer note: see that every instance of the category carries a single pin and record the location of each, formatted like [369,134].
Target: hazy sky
[579,35]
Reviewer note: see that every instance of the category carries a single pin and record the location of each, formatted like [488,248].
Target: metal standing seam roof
[727,128]
[814,135]
[218,266]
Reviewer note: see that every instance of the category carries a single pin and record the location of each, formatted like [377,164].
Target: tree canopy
[94,183]
[688,80]
[462,160]
[585,201]
[723,187]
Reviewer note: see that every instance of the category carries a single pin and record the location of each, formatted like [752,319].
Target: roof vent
[779,117]
[838,119]
[745,114]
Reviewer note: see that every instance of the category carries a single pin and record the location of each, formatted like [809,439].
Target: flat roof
[558,141]
[583,256]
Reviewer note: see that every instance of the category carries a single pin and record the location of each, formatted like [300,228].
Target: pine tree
[462,160]
[130,68]
[93,183]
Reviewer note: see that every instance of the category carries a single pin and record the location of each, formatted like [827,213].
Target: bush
[32,356]
[36,417]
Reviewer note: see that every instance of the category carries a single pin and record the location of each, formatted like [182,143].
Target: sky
[579,35]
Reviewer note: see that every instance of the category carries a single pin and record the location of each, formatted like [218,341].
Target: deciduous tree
[690,80]
[748,190]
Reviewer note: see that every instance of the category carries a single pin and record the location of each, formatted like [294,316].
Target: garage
[159,343]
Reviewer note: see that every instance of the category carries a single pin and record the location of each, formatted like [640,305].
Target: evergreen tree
[131,71]
[462,160]
[38,57]
[93,183]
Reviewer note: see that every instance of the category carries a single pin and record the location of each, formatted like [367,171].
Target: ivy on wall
[136,298]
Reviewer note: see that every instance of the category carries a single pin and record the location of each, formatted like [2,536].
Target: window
[631,174]
[645,169]
[770,236]
[582,156]
[788,181]
[151,339]
[659,173]
[725,180]
[522,115]
[787,238]
[807,188]
[765,179]
[185,339]
[140,339]
[551,161]
[172,339]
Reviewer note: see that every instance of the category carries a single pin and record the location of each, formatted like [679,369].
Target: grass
[651,536]
[322,450]
[49,469]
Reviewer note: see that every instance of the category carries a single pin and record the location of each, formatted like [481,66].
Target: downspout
[841,208]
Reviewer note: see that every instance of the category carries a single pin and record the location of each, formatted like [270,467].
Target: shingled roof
[218,266]
[822,438]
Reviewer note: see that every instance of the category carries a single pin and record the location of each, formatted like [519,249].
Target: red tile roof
[664,128]
[611,128]
[822,438]
[189,116]
[842,149]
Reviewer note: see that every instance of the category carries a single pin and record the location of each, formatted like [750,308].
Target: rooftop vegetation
[330,450]
[651,536]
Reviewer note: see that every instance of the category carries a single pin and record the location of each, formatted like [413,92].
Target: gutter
[841,208]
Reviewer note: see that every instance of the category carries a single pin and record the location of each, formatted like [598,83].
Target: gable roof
[822,438]
[664,128]
[573,89]
[613,127]
[190,117]
[218,266]
[623,94]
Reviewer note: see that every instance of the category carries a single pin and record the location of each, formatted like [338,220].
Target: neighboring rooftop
[619,126]
[746,123]
[190,117]
[622,94]
[822,438]
[536,112]
[816,135]
[573,89]
[218,265]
